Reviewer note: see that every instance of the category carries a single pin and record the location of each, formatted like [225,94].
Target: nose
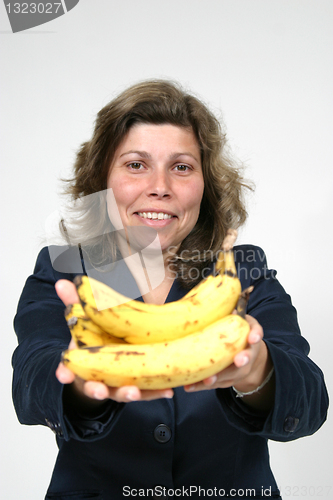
[159,186]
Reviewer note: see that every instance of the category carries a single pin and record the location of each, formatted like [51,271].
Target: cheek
[193,200]
[114,209]
[121,196]
[124,192]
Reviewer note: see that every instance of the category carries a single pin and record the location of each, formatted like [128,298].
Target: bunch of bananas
[128,342]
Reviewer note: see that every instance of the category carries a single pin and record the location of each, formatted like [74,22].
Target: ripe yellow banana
[165,364]
[141,323]
[84,331]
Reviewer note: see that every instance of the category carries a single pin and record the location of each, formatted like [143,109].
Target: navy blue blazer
[207,442]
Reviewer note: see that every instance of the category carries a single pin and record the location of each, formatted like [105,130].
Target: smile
[154,215]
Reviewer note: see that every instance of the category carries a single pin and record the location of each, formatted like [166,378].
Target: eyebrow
[146,155]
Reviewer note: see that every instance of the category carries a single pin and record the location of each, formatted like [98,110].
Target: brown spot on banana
[230,273]
[113,312]
[194,301]
[80,343]
[94,350]
[230,346]
[135,308]
[127,353]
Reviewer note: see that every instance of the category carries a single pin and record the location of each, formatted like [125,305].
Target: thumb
[66,291]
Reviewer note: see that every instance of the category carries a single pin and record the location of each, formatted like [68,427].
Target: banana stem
[227,246]
[242,301]
[229,240]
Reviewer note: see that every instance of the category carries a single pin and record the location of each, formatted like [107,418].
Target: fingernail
[245,361]
[131,396]
[62,378]
[190,388]
[211,380]
[99,395]
[255,338]
[168,394]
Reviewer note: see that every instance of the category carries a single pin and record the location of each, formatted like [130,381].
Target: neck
[150,269]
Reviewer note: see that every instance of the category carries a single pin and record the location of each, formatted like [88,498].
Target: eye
[135,165]
[182,168]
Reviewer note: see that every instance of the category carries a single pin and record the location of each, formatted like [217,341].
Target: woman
[162,155]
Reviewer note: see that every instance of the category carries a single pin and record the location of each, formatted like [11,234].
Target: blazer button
[162,433]
[58,430]
[290,424]
[55,427]
[49,424]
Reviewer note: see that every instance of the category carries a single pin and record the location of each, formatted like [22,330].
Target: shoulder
[249,254]
[60,262]
[251,265]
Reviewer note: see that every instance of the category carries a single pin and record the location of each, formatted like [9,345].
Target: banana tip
[78,280]
[68,309]
[63,357]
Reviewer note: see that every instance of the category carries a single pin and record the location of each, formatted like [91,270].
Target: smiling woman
[135,130]
[157,180]
[160,152]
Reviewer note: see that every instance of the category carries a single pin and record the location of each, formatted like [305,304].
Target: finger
[96,390]
[242,359]
[67,292]
[158,394]
[125,394]
[208,382]
[64,375]
[132,393]
[198,386]
[247,356]
[256,332]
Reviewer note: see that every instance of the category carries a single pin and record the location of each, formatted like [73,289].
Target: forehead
[165,136]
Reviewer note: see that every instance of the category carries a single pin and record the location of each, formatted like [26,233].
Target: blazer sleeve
[301,398]
[43,335]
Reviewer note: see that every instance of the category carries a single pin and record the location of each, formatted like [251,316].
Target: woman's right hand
[91,391]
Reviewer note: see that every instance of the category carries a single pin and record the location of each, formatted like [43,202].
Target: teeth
[154,215]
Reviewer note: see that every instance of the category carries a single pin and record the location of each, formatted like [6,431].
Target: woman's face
[157,181]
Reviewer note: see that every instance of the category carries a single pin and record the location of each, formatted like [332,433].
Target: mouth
[155,215]
[155,219]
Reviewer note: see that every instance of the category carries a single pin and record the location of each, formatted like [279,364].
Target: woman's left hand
[249,369]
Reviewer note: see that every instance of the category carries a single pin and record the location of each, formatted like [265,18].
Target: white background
[267,66]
